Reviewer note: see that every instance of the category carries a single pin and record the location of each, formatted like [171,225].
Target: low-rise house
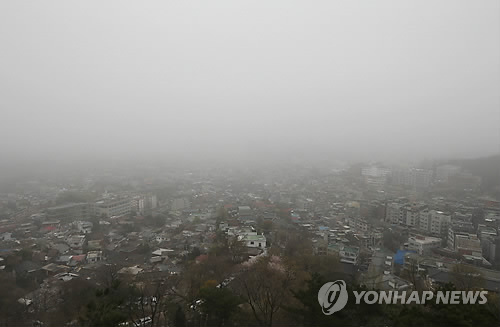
[94,245]
[163,252]
[320,247]
[76,241]
[95,256]
[64,259]
[66,276]
[253,240]
[84,227]
[50,225]
[77,260]
[6,236]
[347,254]
[161,238]
[27,268]
[60,247]
[156,259]
[52,269]
[392,282]
[133,270]
[246,214]
[269,216]
[442,276]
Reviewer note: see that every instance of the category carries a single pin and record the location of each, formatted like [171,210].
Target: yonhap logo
[332,297]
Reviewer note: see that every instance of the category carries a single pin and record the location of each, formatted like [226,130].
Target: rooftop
[254,238]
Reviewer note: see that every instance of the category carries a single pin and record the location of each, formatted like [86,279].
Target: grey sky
[363,79]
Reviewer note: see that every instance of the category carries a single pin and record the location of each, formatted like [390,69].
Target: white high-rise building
[412,214]
[445,171]
[375,176]
[439,222]
[418,178]
[424,220]
[145,203]
[394,213]
[113,207]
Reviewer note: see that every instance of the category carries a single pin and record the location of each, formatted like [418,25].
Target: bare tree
[148,301]
[236,249]
[466,277]
[107,274]
[412,270]
[265,286]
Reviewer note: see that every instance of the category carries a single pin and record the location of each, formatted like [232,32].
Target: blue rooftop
[399,257]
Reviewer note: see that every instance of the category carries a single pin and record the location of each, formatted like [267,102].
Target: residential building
[490,246]
[444,172]
[413,177]
[424,221]
[254,240]
[347,254]
[372,210]
[461,217]
[439,222]
[304,204]
[411,214]
[359,224]
[76,241]
[69,212]
[456,229]
[145,203]
[394,213]
[423,244]
[246,214]
[469,247]
[113,207]
[95,256]
[375,176]
[180,204]
[84,227]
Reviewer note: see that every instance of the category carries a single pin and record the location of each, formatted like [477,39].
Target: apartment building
[69,212]
[347,254]
[412,177]
[439,222]
[394,213]
[423,244]
[113,207]
[456,229]
[412,214]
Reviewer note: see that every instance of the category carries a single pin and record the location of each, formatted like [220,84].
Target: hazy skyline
[364,80]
